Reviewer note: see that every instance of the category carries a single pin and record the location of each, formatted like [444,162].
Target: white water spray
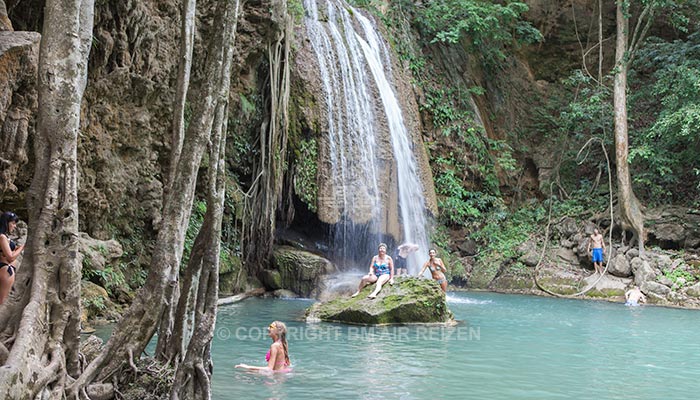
[353,64]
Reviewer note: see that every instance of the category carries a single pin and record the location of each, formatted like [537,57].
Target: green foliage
[473,151]
[240,144]
[95,303]
[109,277]
[295,8]
[665,150]
[305,174]
[504,231]
[679,274]
[228,257]
[490,27]
[458,206]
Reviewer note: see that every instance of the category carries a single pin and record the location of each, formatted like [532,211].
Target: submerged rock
[409,300]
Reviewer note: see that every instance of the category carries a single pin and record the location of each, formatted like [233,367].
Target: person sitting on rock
[381,270]
[437,269]
[634,296]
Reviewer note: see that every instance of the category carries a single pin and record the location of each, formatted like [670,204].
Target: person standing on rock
[401,254]
[437,269]
[9,251]
[597,242]
[381,270]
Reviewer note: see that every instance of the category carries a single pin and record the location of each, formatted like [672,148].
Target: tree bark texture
[631,216]
[193,375]
[172,344]
[187,29]
[44,353]
[186,47]
[139,323]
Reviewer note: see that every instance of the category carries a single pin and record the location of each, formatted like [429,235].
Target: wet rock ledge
[409,300]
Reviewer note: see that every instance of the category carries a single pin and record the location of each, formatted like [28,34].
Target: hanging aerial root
[549,222]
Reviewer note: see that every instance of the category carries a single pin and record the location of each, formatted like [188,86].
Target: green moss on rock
[299,270]
[409,300]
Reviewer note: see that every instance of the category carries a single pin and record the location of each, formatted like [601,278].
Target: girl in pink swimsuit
[278,356]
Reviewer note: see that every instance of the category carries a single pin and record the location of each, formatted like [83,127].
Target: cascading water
[354,64]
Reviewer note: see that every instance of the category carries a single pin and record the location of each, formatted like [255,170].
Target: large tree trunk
[193,375]
[183,320]
[630,209]
[138,325]
[172,292]
[45,349]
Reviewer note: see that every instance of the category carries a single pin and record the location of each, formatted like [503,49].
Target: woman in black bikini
[437,269]
[9,251]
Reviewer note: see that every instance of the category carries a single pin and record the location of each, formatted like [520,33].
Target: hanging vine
[266,192]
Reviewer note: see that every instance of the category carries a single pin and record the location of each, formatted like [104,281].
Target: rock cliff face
[124,144]
[19,55]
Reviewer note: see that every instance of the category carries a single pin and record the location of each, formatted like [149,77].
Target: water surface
[508,347]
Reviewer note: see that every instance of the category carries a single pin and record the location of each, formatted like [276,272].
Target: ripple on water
[454,299]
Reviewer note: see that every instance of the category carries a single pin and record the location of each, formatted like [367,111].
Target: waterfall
[354,66]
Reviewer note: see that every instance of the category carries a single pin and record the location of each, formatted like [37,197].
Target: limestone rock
[581,251]
[300,271]
[666,281]
[693,291]
[271,279]
[655,288]
[468,247]
[566,255]
[409,300]
[607,286]
[619,266]
[670,233]
[284,294]
[95,303]
[663,261]
[529,255]
[674,227]
[99,254]
[19,54]
[631,253]
[642,271]
[567,228]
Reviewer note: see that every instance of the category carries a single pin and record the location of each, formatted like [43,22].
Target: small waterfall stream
[354,66]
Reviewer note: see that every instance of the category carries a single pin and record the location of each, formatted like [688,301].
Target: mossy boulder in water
[299,271]
[409,300]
